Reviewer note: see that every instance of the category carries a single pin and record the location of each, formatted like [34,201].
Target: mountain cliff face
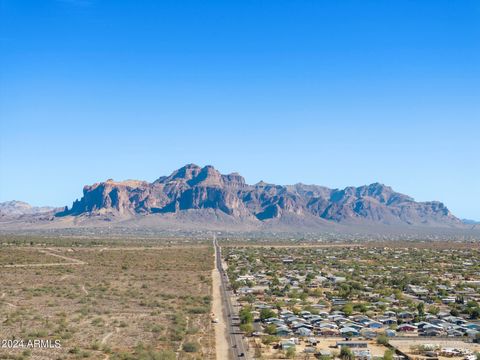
[195,188]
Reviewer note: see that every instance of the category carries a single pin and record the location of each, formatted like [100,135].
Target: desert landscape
[108,302]
[239,180]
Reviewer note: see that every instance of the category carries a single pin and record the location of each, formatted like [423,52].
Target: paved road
[237,344]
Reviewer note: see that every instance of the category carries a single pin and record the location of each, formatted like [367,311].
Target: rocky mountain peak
[195,188]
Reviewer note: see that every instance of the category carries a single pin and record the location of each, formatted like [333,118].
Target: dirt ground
[101,303]
[221,341]
[404,345]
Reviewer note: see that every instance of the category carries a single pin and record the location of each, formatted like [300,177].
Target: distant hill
[18,208]
[470,222]
[193,190]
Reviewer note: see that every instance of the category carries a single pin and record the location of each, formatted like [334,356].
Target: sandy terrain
[109,303]
[404,345]
[221,341]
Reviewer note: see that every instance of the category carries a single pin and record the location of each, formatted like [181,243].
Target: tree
[361,307]
[290,353]
[421,309]
[475,313]
[246,315]
[271,329]
[247,328]
[382,339]
[388,355]
[348,309]
[346,353]
[266,314]
[434,310]
[268,339]
[236,285]
[190,347]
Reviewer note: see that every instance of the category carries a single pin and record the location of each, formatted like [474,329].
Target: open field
[128,302]
[17,257]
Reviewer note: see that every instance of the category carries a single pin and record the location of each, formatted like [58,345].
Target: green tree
[271,329]
[190,347]
[266,314]
[434,310]
[421,309]
[388,355]
[348,309]
[346,353]
[382,339]
[474,313]
[290,353]
[269,339]
[246,315]
[247,328]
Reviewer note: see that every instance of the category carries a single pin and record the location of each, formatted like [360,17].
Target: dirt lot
[127,303]
[324,344]
[406,346]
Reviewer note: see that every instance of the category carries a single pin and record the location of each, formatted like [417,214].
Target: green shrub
[190,347]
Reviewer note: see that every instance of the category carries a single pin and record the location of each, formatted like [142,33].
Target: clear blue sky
[332,92]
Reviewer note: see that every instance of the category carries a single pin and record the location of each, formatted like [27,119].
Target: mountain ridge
[17,208]
[192,188]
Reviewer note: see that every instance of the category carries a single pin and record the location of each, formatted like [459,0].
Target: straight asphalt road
[237,344]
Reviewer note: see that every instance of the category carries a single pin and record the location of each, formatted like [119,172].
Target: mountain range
[203,195]
[18,208]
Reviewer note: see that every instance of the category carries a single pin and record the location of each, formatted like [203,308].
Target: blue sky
[335,93]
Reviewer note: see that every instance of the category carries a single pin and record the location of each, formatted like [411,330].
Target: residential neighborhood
[318,302]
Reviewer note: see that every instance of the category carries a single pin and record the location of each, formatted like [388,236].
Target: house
[352,344]
[300,325]
[287,344]
[374,325]
[422,324]
[271,320]
[455,320]
[337,279]
[471,333]
[315,319]
[339,302]
[349,332]
[362,354]
[303,332]
[417,290]
[405,316]
[388,321]
[431,332]
[449,300]
[390,333]
[362,319]
[406,328]
[473,326]
[368,334]
[328,332]
[283,331]
[327,325]
[453,332]
[323,354]
[245,290]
